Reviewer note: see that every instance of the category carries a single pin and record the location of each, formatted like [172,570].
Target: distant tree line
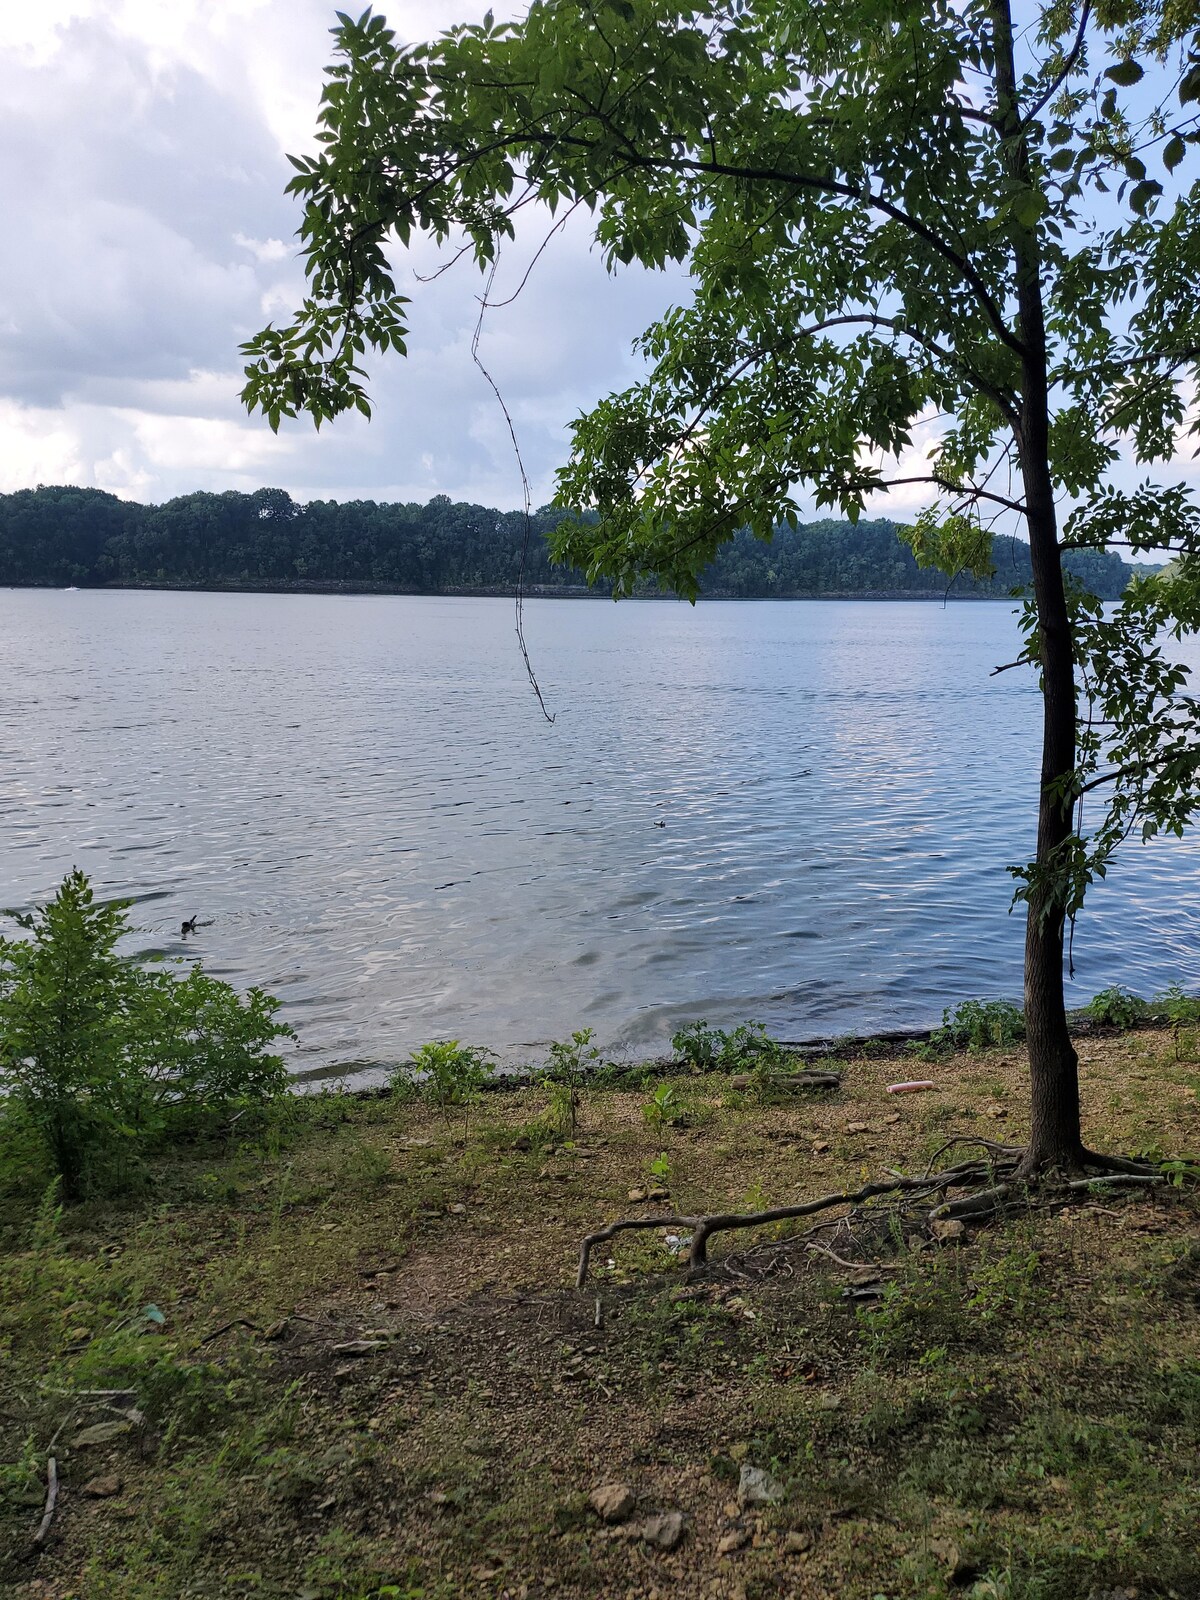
[265,540]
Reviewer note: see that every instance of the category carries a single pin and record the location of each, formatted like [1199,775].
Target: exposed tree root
[991,1185]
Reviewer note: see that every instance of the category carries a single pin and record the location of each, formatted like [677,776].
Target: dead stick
[704,1227]
[39,1537]
[234,1322]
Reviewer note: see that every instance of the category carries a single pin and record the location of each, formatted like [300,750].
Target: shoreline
[493,592]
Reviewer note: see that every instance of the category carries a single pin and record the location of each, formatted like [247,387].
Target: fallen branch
[234,1322]
[703,1228]
[41,1535]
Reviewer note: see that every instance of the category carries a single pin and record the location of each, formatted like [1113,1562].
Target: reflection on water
[361,798]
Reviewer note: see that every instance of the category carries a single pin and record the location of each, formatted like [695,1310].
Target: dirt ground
[349,1361]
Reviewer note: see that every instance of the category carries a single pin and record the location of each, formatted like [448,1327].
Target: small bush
[572,1061]
[978,1024]
[1183,1013]
[1116,1008]
[447,1073]
[704,1048]
[103,1059]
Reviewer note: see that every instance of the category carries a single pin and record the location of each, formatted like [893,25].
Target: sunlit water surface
[798,812]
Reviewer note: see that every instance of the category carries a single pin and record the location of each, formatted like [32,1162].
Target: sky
[147,234]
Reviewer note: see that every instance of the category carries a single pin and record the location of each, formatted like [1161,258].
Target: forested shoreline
[88,538]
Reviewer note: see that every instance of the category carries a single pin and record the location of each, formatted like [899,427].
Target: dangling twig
[527,496]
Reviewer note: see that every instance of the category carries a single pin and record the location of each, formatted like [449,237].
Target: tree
[103,1058]
[890,209]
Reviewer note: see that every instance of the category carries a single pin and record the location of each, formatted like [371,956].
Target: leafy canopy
[859,193]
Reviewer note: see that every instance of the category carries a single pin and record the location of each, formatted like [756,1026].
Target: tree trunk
[1055,1139]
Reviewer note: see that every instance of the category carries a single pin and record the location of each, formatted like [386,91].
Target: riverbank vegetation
[339,1353]
[265,540]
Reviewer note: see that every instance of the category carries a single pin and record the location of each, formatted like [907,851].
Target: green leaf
[1126,73]
[1173,152]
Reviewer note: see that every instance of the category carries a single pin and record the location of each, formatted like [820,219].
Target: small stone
[737,1540]
[99,1433]
[757,1487]
[949,1230]
[102,1488]
[664,1531]
[612,1502]
[795,1543]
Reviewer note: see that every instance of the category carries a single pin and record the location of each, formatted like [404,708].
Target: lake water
[362,802]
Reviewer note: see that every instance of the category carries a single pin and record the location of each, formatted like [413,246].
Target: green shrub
[1116,1008]
[102,1058]
[1183,1013]
[447,1073]
[976,1024]
[572,1061]
[704,1048]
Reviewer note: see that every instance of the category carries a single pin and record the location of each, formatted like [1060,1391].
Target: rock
[102,1488]
[796,1543]
[100,1433]
[663,1531]
[359,1347]
[737,1540]
[949,1230]
[757,1487]
[612,1502]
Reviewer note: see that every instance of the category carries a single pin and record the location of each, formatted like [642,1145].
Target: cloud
[148,234]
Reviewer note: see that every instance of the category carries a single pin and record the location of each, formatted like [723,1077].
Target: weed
[447,1073]
[978,1024]
[1116,1008]
[704,1048]
[571,1063]
[1183,1013]
[666,1108]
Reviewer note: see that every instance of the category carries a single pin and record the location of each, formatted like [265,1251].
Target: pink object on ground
[908,1088]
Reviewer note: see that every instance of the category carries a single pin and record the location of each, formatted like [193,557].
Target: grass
[1016,1418]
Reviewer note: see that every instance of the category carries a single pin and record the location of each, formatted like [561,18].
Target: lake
[796,812]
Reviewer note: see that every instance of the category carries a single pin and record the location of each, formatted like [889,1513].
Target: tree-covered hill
[265,540]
